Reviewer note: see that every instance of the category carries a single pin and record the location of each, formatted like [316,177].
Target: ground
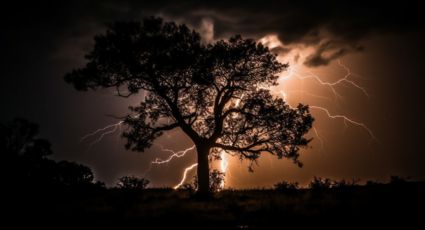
[246,209]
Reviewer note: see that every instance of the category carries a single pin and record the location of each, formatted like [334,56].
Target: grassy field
[246,209]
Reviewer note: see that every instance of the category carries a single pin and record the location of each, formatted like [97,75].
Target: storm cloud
[332,28]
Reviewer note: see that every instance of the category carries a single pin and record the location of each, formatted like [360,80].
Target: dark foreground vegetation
[382,204]
[38,191]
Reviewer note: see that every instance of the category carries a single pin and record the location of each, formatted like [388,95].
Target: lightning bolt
[112,128]
[186,170]
[223,167]
[173,155]
[295,72]
[107,130]
[322,144]
[331,85]
[346,119]
[224,163]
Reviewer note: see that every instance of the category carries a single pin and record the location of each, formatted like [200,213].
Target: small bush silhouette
[285,186]
[371,183]
[132,183]
[216,180]
[319,183]
[397,180]
[342,184]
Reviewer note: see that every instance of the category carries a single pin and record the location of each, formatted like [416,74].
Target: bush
[319,183]
[397,180]
[216,180]
[132,182]
[285,186]
[345,183]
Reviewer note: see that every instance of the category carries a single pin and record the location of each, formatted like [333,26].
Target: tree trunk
[203,170]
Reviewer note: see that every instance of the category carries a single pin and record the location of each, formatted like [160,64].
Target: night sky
[382,46]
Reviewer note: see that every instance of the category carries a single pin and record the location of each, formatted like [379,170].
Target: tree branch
[241,149]
[176,112]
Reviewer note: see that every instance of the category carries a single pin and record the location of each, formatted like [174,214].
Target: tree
[73,174]
[26,159]
[18,139]
[217,94]
[24,155]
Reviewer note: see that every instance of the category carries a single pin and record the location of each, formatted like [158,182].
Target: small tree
[132,182]
[71,173]
[217,94]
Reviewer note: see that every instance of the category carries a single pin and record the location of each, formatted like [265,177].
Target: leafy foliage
[217,94]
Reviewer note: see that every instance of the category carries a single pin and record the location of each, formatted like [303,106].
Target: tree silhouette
[18,138]
[217,94]
[25,159]
[71,174]
[23,154]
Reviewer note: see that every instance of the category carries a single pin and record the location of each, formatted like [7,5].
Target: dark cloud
[308,23]
[342,26]
[328,51]
[280,50]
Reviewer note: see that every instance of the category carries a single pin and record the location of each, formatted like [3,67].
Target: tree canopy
[218,94]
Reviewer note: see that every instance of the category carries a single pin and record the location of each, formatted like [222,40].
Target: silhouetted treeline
[26,163]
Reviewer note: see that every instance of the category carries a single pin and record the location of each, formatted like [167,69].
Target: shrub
[319,183]
[285,186]
[132,182]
